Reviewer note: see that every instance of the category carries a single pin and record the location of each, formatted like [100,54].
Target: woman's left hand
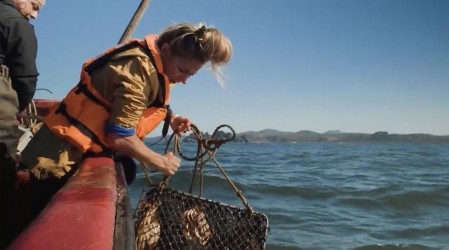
[180,124]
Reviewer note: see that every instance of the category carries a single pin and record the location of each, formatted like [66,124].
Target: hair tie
[200,33]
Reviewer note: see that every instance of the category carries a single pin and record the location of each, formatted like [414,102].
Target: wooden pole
[134,21]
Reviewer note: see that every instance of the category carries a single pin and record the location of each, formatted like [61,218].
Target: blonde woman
[122,96]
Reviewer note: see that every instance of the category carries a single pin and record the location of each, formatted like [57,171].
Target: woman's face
[28,8]
[178,69]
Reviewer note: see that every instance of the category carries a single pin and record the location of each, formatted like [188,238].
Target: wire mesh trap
[171,219]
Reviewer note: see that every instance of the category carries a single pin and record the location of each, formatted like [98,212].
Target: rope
[206,150]
[31,117]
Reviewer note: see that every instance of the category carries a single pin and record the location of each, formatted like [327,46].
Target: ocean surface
[333,196]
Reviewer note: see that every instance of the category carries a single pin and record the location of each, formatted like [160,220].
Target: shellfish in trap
[149,228]
[185,221]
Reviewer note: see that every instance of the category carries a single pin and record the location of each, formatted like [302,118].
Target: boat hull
[82,215]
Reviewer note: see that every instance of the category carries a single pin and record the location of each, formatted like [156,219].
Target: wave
[396,247]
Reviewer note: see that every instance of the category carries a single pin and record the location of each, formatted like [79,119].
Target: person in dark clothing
[18,77]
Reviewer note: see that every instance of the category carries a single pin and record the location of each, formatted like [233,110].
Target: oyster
[149,228]
[195,227]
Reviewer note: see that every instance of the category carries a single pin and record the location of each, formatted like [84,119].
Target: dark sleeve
[21,59]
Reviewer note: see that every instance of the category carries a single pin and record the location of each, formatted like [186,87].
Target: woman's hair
[199,42]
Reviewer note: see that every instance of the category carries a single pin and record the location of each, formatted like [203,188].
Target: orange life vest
[82,115]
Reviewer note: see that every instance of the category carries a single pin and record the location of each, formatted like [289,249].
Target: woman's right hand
[171,163]
[133,147]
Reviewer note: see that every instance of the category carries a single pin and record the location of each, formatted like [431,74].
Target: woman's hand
[180,124]
[170,164]
[133,147]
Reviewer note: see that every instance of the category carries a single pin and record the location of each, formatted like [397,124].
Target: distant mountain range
[271,135]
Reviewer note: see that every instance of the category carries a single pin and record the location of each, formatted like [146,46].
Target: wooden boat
[91,211]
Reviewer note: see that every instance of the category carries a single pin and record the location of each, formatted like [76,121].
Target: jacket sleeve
[132,83]
[21,59]
[128,81]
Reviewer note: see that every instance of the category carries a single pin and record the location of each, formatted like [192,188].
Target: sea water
[332,195]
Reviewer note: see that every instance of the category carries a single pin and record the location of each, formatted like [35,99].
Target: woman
[121,97]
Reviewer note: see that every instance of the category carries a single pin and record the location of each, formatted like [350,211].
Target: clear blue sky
[348,65]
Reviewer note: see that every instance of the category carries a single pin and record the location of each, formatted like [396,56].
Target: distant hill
[270,135]
[306,136]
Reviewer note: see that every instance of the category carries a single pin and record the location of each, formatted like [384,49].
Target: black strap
[82,88]
[103,59]
[62,109]
[167,121]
